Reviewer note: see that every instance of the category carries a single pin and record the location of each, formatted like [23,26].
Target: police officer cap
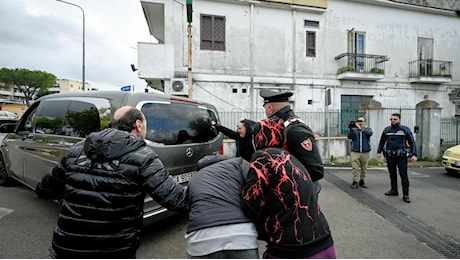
[274,96]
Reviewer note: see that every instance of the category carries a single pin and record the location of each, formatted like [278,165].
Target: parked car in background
[451,159]
[8,117]
[178,129]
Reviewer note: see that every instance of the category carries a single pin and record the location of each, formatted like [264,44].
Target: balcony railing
[361,66]
[430,68]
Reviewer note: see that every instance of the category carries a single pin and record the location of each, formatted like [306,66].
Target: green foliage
[375,162]
[333,160]
[345,69]
[427,159]
[28,82]
[378,70]
[156,84]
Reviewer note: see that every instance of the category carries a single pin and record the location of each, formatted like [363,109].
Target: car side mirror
[7,127]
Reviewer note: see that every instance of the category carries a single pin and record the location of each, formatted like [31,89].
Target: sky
[47,35]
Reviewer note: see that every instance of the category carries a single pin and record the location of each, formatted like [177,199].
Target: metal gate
[450,132]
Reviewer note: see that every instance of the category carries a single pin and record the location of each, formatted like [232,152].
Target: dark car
[178,130]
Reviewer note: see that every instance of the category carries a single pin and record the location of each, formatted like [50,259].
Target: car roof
[122,98]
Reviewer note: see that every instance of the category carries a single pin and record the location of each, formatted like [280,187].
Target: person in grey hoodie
[217,226]
[360,136]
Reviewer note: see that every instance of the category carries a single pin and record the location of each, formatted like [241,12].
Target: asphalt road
[364,222]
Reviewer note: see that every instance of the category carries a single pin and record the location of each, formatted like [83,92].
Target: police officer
[393,142]
[300,140]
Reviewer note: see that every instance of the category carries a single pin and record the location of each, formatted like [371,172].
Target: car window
[82,118]
[50,117]
[177,123]
[76,118]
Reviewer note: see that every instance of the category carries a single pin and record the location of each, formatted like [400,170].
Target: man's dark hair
[397,114]
[127,121]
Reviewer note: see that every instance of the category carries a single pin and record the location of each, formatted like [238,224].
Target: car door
[16,143]
[42,147]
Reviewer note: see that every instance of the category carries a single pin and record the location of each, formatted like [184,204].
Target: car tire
[5,180]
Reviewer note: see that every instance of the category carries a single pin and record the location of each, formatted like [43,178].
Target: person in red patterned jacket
[280,197]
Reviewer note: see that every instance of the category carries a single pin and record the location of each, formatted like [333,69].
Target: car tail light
[221,148]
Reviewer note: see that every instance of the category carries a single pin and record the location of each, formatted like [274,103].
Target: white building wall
[265,48]
[394,32]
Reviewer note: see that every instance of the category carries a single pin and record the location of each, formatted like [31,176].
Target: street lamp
[83,66]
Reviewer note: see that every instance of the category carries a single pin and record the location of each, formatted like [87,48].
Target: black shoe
[406,198]
[362,184]
[391,193]
[354,185]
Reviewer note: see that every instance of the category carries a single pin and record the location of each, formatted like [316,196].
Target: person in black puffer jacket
[279,195]
[102,182]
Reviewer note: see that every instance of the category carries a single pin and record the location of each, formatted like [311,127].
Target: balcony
[366,67]
[430,71]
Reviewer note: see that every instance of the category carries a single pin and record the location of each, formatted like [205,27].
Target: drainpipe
[294,61]
[251,61]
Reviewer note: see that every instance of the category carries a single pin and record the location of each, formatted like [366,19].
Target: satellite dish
[177,86]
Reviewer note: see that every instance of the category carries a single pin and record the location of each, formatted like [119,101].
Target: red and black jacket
[280,197]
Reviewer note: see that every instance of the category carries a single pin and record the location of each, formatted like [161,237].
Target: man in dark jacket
[360,136]
[393,143]
[300,140]
[102,182]
[217,226]
[280,196]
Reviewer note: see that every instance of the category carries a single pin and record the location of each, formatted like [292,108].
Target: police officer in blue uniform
[393,143]
[300,140]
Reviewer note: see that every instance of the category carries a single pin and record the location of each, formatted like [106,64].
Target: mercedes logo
[189,152]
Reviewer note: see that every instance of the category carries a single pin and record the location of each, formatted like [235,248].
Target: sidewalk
[357,229]
[384,165]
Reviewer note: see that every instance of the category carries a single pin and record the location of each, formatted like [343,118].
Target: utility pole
[189,32]
[83,66]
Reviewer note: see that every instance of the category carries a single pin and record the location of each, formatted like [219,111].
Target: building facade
[69,85]
[333,54]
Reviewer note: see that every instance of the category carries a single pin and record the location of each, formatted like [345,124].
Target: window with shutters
[212,34]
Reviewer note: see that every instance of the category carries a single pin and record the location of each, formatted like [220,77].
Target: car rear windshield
[178,123]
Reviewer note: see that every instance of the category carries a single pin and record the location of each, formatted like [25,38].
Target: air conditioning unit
[179,87]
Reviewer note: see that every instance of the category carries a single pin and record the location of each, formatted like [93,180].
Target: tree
[28,82]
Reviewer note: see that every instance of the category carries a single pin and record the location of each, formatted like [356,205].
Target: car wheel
[4,179]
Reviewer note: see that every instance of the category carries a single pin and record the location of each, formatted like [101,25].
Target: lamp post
[83,66]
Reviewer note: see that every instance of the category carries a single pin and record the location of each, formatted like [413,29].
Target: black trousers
[394,164]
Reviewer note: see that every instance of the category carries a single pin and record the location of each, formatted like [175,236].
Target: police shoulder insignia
[307,145]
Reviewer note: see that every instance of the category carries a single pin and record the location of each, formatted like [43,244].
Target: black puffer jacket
[103,181]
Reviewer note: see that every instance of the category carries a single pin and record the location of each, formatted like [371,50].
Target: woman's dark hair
[127,121]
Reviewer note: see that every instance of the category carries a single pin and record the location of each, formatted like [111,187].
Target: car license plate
[184,177]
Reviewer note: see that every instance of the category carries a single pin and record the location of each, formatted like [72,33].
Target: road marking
[417,174]
[4,212]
